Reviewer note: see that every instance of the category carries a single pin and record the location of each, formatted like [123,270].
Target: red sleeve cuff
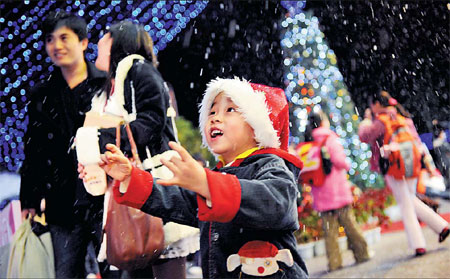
[139,189]
[225,192]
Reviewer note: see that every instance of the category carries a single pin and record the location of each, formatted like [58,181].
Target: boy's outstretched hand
[115,163]
[188,173]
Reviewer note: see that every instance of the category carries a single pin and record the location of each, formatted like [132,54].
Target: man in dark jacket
[57,109]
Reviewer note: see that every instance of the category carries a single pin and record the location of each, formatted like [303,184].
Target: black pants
[70,243]
[160,269]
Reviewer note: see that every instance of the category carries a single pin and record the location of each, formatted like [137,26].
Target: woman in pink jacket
[372,130]
[333,199]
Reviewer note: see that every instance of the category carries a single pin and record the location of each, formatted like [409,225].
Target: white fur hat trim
[252,104]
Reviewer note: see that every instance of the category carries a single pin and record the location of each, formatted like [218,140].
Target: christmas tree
[313,82]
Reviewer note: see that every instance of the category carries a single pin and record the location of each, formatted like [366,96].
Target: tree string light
[313,81]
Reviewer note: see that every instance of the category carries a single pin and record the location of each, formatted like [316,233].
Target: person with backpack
[332,194]
[396,153]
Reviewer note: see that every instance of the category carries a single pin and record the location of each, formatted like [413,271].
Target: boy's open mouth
[215,133]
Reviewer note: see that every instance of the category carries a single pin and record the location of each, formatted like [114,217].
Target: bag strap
[134,151]
[322,143]
[136,158]
[118,136]
[171,112]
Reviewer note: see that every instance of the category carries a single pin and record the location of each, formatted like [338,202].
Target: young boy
[245,207]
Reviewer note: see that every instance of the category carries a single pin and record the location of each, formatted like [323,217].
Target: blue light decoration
[23,60]
[313,81]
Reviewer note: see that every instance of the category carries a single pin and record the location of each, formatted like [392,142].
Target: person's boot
[334,268]
[444,234]
[420,252]
[370,255]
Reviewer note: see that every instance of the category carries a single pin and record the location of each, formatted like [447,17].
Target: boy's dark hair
[128,38]
[55,20]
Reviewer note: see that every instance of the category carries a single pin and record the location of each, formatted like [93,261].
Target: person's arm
[267,201]
[369,131]
[31,182]
[137,188]
[169,203]
[221,196]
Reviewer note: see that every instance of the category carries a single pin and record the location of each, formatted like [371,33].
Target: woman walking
[394,142]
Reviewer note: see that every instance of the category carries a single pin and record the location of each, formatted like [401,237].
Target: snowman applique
[259,258]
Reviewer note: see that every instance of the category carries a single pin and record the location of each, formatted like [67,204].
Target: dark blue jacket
[252,200]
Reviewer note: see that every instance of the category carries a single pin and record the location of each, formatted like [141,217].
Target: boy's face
[227,132]
[64,47]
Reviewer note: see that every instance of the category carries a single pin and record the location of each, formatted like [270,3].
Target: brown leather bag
[134,239]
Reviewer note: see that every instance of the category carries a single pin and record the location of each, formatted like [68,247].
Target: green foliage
[372,203]
[310,223]
[190,138]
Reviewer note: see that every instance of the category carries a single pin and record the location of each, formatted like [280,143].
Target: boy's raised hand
[188,173]
[115,163]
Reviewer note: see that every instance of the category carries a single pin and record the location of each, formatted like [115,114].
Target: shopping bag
[31,256]
[10,220]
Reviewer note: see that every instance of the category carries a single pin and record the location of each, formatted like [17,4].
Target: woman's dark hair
[128,38]
[56,20]
[315,119]
[386,100]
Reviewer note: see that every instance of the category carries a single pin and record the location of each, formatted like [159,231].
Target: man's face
[64,47]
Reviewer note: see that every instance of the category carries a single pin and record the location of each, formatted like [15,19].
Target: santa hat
[264,108]
[258,249]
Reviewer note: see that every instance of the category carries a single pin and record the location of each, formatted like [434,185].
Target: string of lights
[23,60]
